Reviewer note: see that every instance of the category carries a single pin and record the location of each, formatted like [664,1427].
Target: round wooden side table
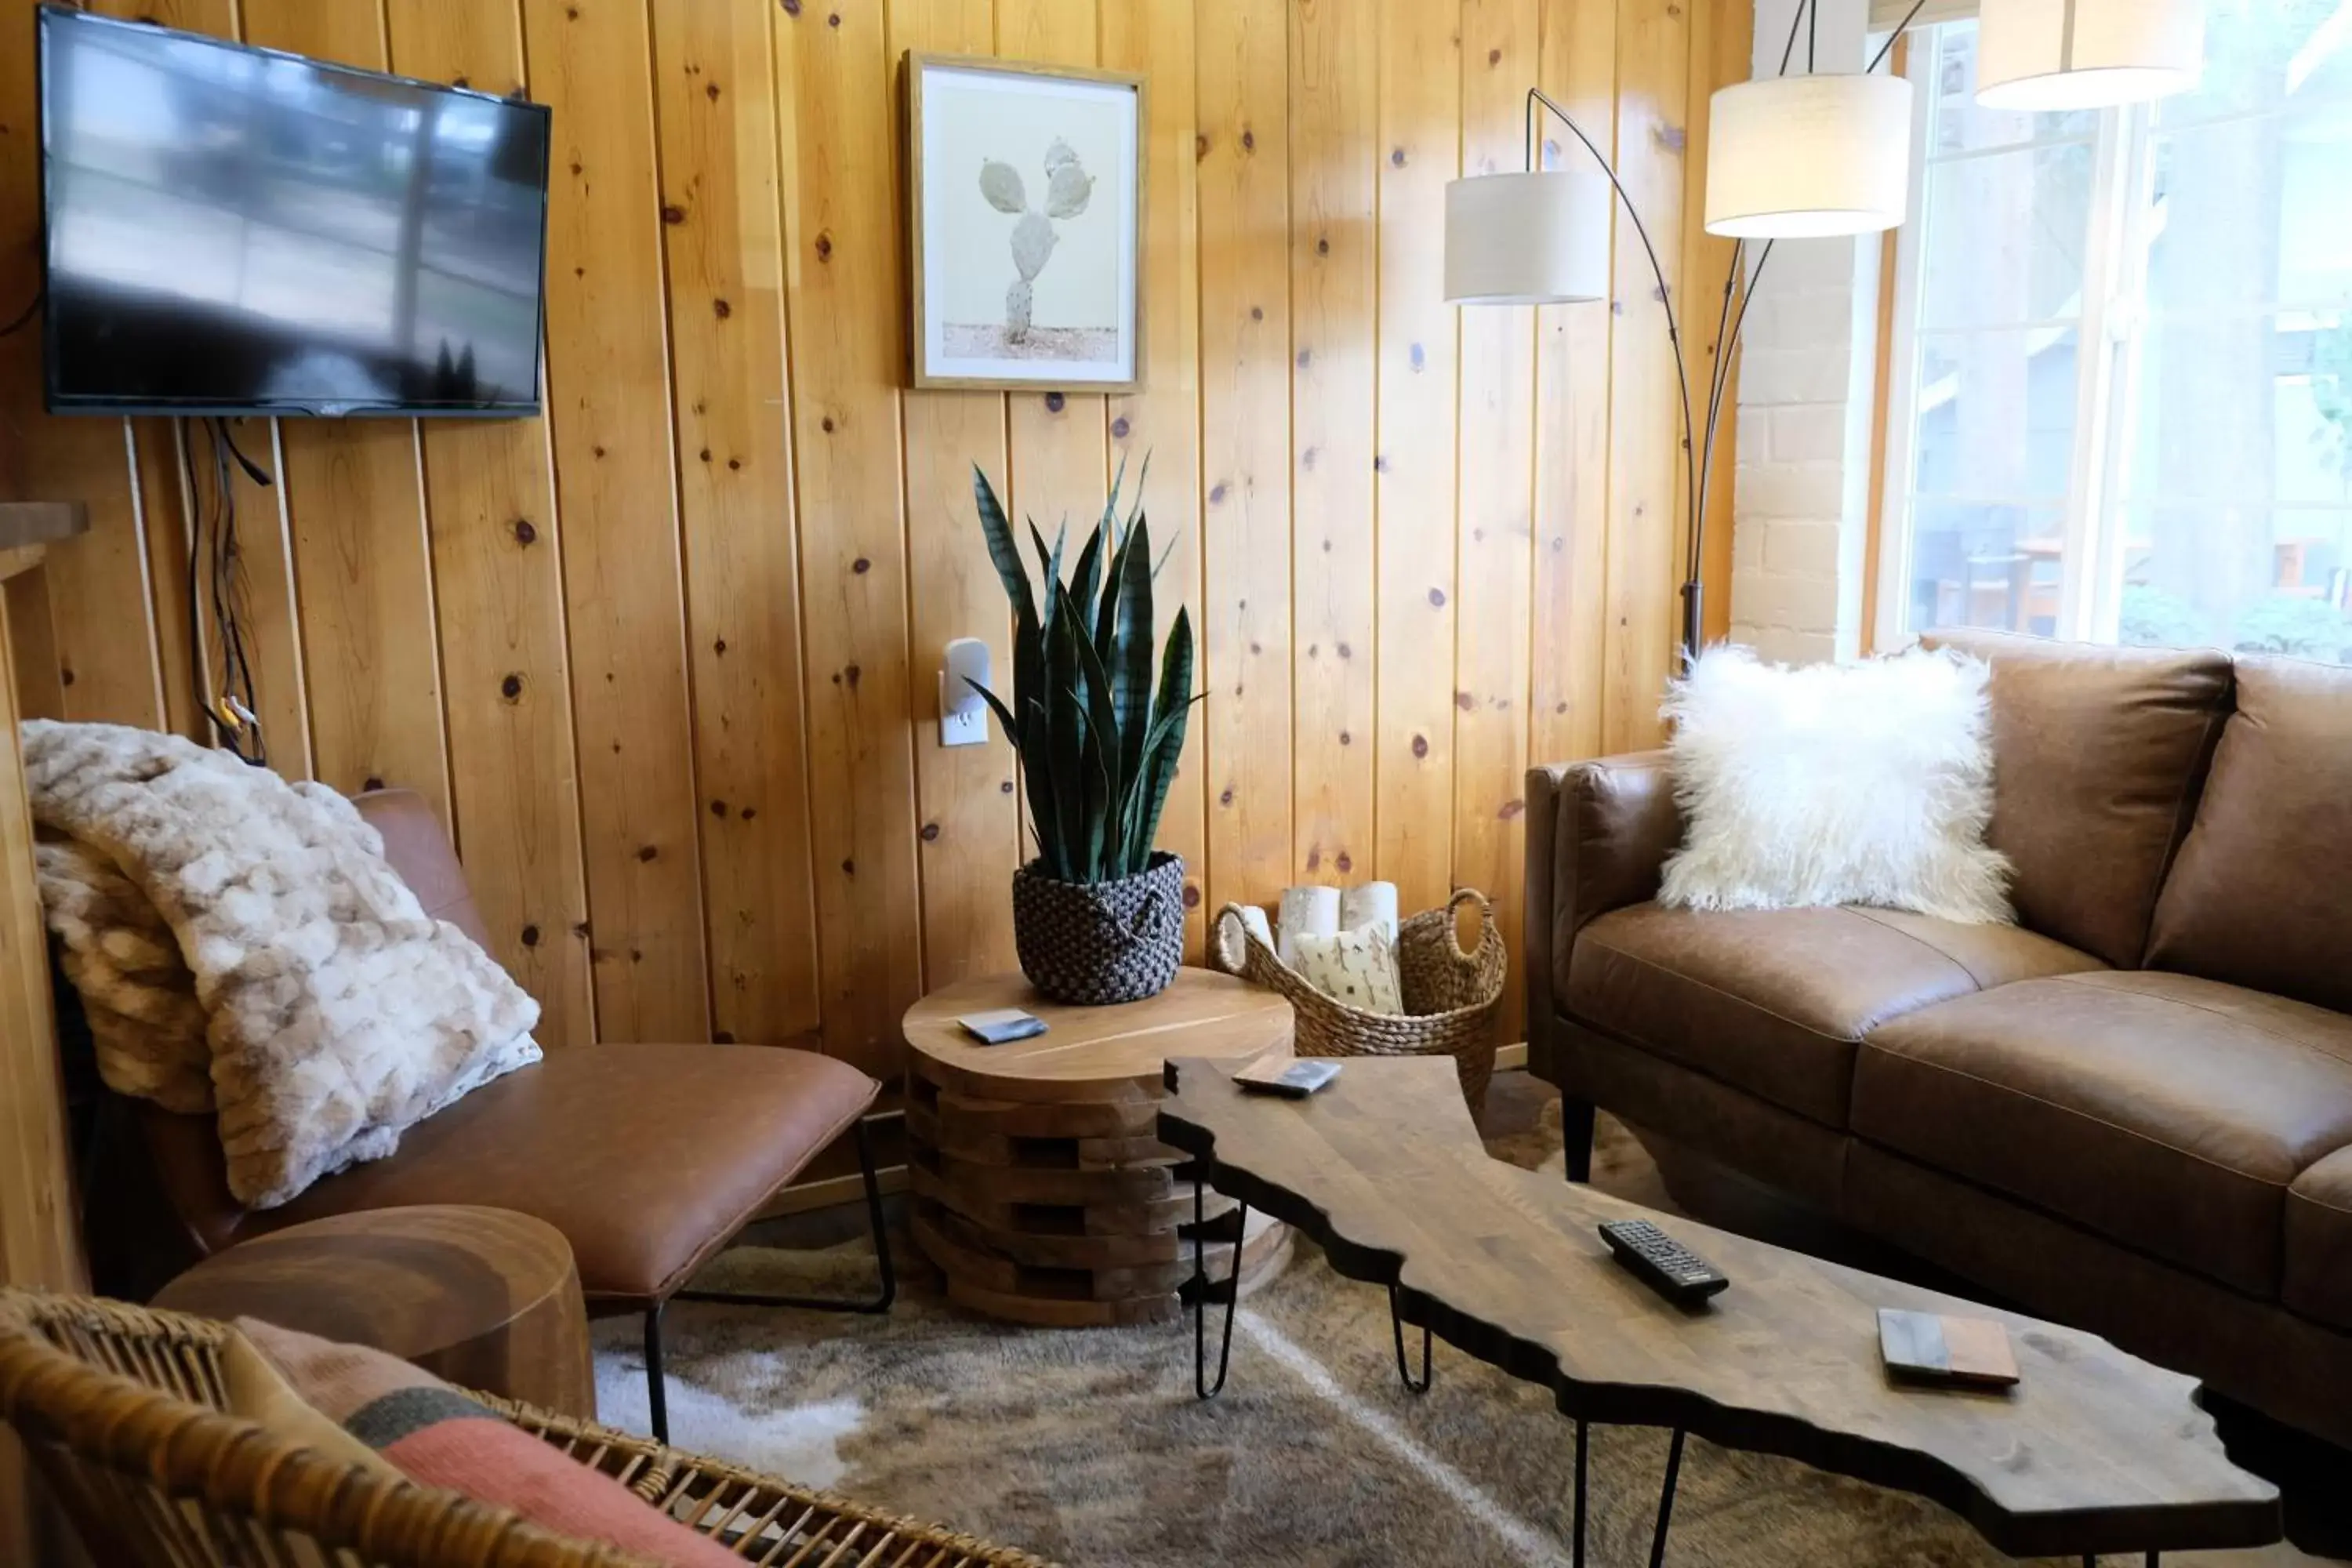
[1041,1188]
[483,1298]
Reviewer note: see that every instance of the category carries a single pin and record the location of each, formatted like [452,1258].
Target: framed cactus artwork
[1024,193]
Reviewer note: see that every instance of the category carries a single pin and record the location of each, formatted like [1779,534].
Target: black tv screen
[232,230]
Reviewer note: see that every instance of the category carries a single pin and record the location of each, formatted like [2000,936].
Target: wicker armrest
[122,1409]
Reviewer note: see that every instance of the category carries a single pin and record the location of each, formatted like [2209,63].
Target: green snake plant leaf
[1105,614]
[1109,526]
[1086,577]
[1044,808]
[1067,742]
[1001,550]
[1174,709]
[1127,652]
[1098,746]
[1102,742]
[1050,562]
[1093,848]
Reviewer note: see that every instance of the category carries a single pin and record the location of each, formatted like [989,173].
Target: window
[2121,398]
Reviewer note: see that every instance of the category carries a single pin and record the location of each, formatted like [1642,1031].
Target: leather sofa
[2131,1111]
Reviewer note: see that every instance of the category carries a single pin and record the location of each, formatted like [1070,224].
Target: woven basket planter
[1095,945]
[1450,993]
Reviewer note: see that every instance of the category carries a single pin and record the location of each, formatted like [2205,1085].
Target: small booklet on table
[1926,1348]
[1001,1027]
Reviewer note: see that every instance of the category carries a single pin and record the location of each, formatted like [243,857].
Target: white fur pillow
[1855,783]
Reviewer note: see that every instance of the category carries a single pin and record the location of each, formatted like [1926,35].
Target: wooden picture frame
[1024,224]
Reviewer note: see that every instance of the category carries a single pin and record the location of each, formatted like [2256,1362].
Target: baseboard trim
[1511,1059]
[834,1190]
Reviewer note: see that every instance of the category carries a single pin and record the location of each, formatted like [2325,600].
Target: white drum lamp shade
[2086,54]
[1539,238]
[1802,157]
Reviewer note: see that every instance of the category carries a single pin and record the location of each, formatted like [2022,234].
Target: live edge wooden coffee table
[1041,1188]
[2094,1451]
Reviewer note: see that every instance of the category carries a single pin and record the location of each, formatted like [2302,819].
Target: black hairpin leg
[657,1404]
[1666,1500]
[1202,1387]
[1579,1561]
[889,1292]
[1396,1327]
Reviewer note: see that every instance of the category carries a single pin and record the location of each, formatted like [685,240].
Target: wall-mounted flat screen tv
[232,230]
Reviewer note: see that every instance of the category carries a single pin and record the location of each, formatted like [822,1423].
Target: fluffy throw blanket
[202,901]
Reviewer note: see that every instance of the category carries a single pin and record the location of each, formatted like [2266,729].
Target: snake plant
[1097,741]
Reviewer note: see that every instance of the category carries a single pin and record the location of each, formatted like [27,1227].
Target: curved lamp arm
[1698,447]
[1691,587]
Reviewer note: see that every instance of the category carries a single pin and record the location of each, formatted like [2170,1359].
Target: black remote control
[1662,1263]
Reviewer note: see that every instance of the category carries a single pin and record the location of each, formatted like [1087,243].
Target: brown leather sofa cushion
[1773,1001]
[2319,1241]
[2097,753]
[2168,1112]
[647,1158]
[2258,895]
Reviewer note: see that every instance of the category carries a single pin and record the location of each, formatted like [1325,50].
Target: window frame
[2110,332]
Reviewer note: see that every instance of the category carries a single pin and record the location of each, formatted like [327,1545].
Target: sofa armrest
[1598,836]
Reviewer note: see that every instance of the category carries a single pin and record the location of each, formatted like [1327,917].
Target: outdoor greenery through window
[2122,375]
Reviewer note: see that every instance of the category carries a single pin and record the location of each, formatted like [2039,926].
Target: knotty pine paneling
[1241,72]
[665,658]
[1335,208]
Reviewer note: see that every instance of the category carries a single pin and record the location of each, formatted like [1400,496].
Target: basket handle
[1147,923]
[1454,924]
[1232,954]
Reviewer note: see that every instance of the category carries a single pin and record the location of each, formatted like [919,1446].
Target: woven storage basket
[1450,993]
[122,1409]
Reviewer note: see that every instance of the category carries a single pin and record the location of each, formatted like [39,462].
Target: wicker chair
[121,1409]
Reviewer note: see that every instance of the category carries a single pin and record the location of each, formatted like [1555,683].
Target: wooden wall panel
[1059,443]
[1422,547]
[1334,272]
[1722,39]
[1494,509]
[849,335]
[40,1243]
[362,561]
[1162,422]
[589,60]
[1569,628]
[100,659]
[1646,447]
[1414,467]
[1241,75]
[105,642]
[715,95]
[497,573]
[966,796]
[163,513]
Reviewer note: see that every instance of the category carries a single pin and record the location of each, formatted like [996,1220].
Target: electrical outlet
[965,726]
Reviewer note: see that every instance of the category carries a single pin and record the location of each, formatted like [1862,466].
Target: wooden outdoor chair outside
[123,1411]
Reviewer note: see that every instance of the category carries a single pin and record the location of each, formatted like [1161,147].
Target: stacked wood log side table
[1041,1188]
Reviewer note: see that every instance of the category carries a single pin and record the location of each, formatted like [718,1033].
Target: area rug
[1087,1446]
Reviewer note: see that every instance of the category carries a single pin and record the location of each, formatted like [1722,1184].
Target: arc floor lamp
[1793,157]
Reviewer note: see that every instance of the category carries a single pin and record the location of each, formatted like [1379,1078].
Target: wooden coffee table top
[2093,1451]
[1092,1054]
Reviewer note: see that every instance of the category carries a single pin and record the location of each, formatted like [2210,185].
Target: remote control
[1665,1265]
